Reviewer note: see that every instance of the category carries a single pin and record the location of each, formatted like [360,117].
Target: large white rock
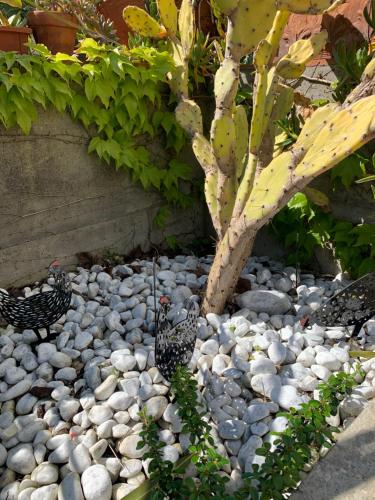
[45,474]
[328,360]
[268,301]
[96,483]
[48,492]
[21,459]
[70,488]
[266,384]
[79,459]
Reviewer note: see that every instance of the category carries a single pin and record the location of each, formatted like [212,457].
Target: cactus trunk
[231,255]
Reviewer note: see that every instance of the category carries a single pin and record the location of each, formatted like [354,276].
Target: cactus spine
[246,180]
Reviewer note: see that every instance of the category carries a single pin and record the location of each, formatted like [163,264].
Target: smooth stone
[210,347]
[259,429]
[106,388]
[265,383]
[120,401]
[82,340]
[321,372]
[48,492]
[14,375]
[352,406]
[277,352]
[141,356]
[3,455]
[45,473]
[287,397]
[100,414]
[70,488]
[59,360]
[68,407]
[21,459]
[67,374]
[128,447]
[79,459]
[248,449]
[256,412]
[270,301]
[122,360]
[96,483]
[262,365]
[98,449]
[16,390]
[61,454]
[328,360]
[25,404]
[231,429]
[131,468]
[156,406]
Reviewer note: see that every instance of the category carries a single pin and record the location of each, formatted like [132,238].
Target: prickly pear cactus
[247,178]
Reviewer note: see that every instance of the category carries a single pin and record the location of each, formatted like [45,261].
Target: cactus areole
[247,179]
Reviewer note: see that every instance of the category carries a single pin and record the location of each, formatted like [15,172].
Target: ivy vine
[113,91]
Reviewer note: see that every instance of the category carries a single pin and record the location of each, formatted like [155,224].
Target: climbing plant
[114,93]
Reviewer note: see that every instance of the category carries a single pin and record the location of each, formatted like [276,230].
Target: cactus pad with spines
[347,131]
[189,117]
[262,54]
[226,7]
[269,187]
[293,64]
[226,83]
[139,21]
[168,15]
[203,152]
[223,139]
[314,124]
[251,22]
[186,26]
[242,138]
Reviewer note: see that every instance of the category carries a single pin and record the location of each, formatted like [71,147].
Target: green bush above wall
[115,93]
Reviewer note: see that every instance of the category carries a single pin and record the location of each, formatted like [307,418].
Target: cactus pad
[168,15]
[226,83]
[251,22]
[242,138]
[223,139]
[293,64]
[139,21]
[269,187]
[186,26]
[262,54]
[314,125]
[226,6]
[189,117]
[347,131]
[203,152]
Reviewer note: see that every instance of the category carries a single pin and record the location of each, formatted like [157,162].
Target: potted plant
[13,33]
[54,24]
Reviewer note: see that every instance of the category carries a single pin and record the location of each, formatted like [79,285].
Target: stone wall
[56,200]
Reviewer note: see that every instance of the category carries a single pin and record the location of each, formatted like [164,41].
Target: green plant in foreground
[165,483]
[245,184]
[207,460]
[306,434]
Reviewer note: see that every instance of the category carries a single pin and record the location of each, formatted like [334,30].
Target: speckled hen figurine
[40,310]
[175,344]
[352,306]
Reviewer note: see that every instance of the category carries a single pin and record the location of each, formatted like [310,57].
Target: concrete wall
[56,200]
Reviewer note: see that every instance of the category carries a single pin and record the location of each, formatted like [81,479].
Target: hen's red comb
[56,263]
[164,300]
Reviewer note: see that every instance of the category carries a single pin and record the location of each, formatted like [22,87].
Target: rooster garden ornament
[40,310]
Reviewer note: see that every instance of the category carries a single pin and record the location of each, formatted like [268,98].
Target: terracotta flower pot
[56,30]
[113,9]
[14,39]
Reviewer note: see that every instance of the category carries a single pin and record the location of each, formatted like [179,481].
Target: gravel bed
[69,424]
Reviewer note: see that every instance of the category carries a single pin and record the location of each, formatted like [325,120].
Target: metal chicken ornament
[352,306]
[40,310]
[174,342]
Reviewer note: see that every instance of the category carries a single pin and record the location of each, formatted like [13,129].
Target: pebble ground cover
[69,416]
